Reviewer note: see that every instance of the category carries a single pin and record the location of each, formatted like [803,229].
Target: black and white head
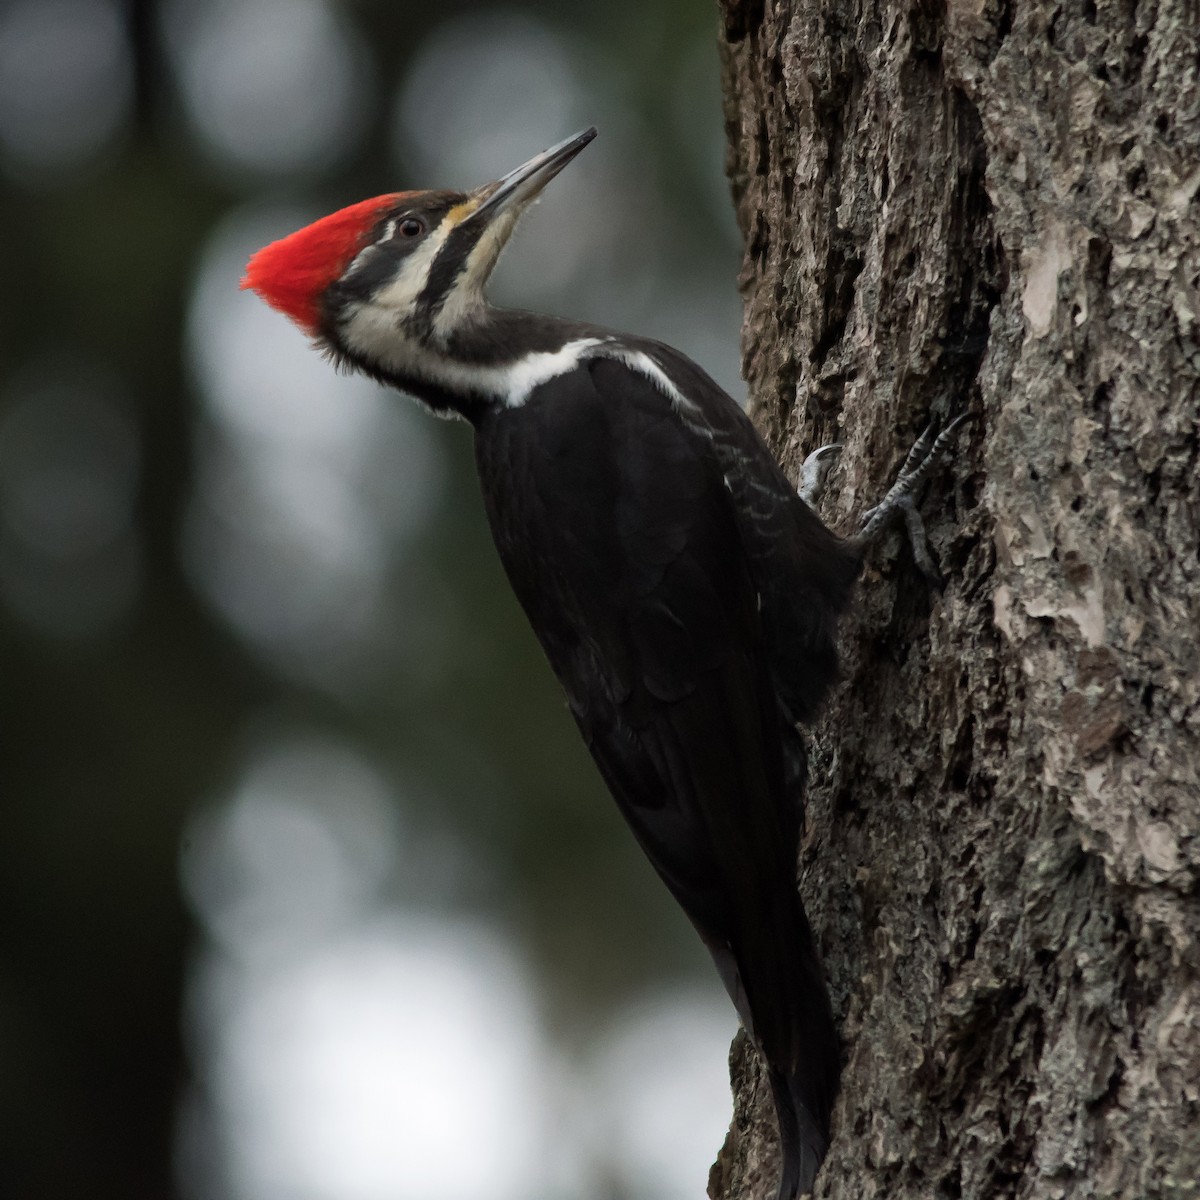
[395,285]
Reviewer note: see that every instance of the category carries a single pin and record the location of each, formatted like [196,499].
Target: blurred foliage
[117,728]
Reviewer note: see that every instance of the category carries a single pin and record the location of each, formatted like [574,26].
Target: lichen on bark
[992,205]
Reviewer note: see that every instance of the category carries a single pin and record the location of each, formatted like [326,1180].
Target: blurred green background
[309,888]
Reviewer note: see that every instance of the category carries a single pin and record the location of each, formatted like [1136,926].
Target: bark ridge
[994,205]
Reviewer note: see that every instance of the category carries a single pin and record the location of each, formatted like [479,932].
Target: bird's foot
[926,453]
[814,473]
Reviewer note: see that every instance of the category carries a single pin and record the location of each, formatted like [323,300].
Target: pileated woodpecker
[685,595]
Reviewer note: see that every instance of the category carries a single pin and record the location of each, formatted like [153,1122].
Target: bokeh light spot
[271,87]
[348,1049]
[398,1062]
[485,92]
[304,843]
[66,84]
[664,1092]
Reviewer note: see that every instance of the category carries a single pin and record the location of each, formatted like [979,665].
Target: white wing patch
[643,364]
[688,411]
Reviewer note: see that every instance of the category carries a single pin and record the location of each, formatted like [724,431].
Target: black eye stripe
[447,265]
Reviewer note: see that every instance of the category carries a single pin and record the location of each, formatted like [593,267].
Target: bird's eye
[410,227]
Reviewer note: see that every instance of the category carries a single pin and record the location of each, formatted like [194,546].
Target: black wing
[621,541]
[803,572]
[619,526]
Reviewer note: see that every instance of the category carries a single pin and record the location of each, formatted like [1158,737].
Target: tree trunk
[992,206]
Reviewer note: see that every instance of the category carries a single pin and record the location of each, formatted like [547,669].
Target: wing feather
[644,596]
[664,604]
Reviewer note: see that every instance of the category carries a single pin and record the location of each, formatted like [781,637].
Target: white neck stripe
[372,333]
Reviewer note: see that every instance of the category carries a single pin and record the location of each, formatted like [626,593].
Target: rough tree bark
[992,204]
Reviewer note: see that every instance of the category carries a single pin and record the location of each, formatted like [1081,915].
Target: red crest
[291,274]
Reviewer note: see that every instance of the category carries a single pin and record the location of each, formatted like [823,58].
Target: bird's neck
[492,358]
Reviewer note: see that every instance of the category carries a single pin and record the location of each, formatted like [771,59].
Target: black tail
[788,1018]
[803,1135]
[798,1040]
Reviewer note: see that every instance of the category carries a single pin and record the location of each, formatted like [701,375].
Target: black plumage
[686,599]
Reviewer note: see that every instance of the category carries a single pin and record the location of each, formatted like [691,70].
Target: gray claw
[925,454]
[918,539]
[815,471]
[920,448]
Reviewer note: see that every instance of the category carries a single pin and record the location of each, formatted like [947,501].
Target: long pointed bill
[519,187]
[453,288]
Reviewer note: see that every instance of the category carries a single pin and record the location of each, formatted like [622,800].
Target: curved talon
[920,448]
[927,451]
[815,471]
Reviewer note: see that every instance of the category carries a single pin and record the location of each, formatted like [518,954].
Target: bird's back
[619,528]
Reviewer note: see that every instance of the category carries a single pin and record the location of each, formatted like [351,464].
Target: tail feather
[803,1136]
[791,1021]
[793,1029]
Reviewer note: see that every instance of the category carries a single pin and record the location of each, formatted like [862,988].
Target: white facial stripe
[372,248]
[401,294]
[466,296]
